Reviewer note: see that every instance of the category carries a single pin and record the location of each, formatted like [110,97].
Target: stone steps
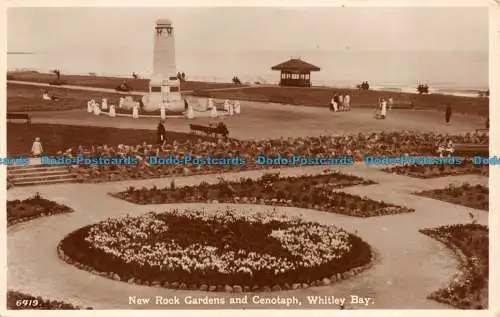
[30,175]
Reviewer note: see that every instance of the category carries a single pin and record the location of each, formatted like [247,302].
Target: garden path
[409,265]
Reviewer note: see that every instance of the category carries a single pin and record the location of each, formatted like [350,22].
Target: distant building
[295,72]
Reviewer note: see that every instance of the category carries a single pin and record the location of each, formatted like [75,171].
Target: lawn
[25,98]
[57,137]
[313,96]
[320,97]
[106,82]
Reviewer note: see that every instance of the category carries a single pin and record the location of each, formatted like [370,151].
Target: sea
[458,73]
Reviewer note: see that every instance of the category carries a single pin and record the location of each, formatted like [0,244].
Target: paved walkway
[410,265]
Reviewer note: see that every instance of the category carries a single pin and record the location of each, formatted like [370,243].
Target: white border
[494,5]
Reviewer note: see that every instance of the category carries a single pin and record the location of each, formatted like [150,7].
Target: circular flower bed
[193,250]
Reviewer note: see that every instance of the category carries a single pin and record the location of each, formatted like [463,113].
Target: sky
[61,30]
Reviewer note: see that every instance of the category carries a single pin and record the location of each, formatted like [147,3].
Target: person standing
[341,102]
[332,103]
[162,111]
[112,111]
[336,103]
[347,102]
[186,105]
[36,148]
[161,132]
[383,110]
[135,112]
[447,114]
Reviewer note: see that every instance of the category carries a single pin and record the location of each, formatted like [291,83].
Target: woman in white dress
[104,104]
[162,112]
[90,106]
[135,112]
[347,102]
[190,112]
[112,112]
[213,112]
[237,107]
[383,110]
[45,96]
[97,110]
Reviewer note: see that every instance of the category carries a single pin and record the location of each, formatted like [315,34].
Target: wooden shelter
[295,72]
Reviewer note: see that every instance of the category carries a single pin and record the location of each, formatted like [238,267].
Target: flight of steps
[40,175]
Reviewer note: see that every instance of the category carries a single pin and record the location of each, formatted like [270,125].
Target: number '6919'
[27,302]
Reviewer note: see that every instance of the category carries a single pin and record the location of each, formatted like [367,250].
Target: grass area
[320,97]
[470,242]
[31,208]
[313,96]
[55,137]
[25,98]
[106,82]
[17,300]
[466,195]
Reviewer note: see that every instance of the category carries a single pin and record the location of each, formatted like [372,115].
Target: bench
[214,130]
[467,149]
[19,116]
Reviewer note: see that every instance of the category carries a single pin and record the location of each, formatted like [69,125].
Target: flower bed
[432,171]
[222,251]
[17,300]
[468,290]
[312,192]
[107,142]
[31,208]
[466,195]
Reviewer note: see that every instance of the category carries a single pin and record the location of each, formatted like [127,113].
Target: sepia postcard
[243,157]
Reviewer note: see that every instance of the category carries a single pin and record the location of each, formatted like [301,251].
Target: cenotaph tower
[164,86]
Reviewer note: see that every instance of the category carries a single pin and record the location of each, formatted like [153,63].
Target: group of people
[45,96]
[232,107]
[446,147]
[95,108]
[340,102]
